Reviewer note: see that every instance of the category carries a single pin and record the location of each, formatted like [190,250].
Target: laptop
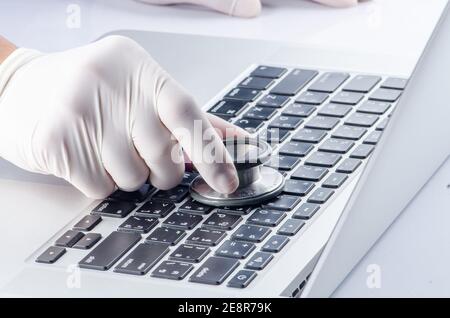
[356,144]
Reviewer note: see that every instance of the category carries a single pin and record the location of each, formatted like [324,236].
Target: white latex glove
[104,115]
[242,8]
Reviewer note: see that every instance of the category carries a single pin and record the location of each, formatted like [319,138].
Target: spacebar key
[294,82]
[110,250]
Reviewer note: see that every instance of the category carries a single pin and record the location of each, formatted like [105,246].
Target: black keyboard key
[116,209]
[349,98]
[177,194]
[309,135]
[255,82]
[274,135]
[137,196]
[349,165]
[373,137]
[69,238]
[383,124]
[88,241]
[322,122]
[155,208]
[323,159]
[241,210]
[208,237]
[283,202]
[251,233]
[261,113]
[362,151]
[242,279]
[259,261]
[243,94]
[166,235]
[361,120]
[312,98]
[295,148]
[337,145]
[349,132]
[299,110]
[223,221]
[87,223]
[142,258]
[271,100]
[306,211]
[251,125]
[291,227]
[269,71]
[275,244]
[189,253]
[214,271]
[192,206]
[228,108]
[297,187]
[184,221]
[329,82]
[335,110]
[286,122]
[110,250]
[51,255]
[138,224]
[320,196]
[395,83]
[188,177]
[172,270]
[362,83]
[235,249]
[266,217]
[309,173]
[373,107]
[386,95]
[292,83]
[283,162]
[335,180]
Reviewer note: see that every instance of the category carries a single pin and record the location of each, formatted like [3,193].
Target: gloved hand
[106,114]
[242,8]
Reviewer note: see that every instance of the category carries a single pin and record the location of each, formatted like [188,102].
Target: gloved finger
[226,129]
[180,114]
[238,8]
[338,3]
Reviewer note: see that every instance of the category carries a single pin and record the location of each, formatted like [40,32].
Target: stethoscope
[257,183]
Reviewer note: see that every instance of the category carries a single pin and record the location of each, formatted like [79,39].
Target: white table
[413,256]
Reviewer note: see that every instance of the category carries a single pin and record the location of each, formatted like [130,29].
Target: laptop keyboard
[322,126]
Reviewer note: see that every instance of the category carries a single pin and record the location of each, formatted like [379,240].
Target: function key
[395,83]
[184,221]
[298,187]
[329,82]
[137,196]
[283,202]
[283,162]
[386,95]
[214,271]
[362,83]
[251,125]
[88,241]
[309,173]
[242,279]
[275,244]
[269,71]
[176,194]
[189,253]
[349,98]
[223,221]
[235,249]
[349,165]
[306,211]
[51,255]
[116,209]
[291,227]
[87,223]
[192,206]
[309,135]
[158,209]
[166,235]
[292,83]
[69,238]
[271,100]
[138,224]
[251,233]
[320,196]
[228,108]
[312,98]
[244,94]
[172,270]
[209,237]
[266,217]
[142,258]
[259,261]
[256,82]
[299,110]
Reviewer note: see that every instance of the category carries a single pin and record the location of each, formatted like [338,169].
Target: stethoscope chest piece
[257,183]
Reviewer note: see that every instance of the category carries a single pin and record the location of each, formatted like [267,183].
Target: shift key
[110,250]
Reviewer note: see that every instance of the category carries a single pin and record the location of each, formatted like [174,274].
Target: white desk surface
[413,256]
